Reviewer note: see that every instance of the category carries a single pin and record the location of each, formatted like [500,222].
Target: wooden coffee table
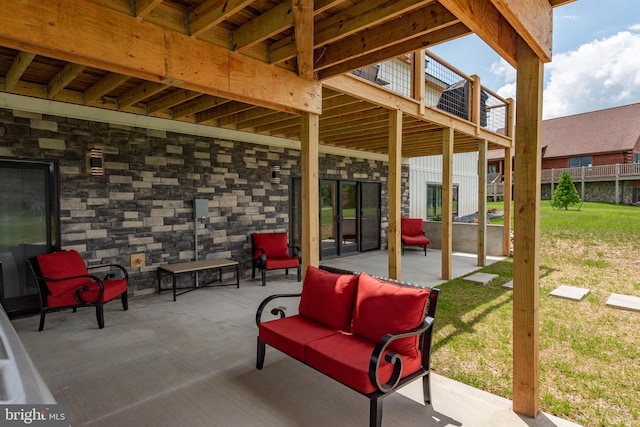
[194,266]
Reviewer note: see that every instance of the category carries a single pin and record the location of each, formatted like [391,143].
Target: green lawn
[589,353]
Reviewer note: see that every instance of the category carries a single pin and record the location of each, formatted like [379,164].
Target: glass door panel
[28,227]
[348,216]
[370,216]
[328,216]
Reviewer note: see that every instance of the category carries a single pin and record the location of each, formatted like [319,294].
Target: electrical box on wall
[200,208]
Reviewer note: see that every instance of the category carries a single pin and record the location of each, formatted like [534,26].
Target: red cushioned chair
[412,233]
[64,282]
[271,251]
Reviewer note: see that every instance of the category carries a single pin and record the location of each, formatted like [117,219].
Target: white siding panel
[425,170]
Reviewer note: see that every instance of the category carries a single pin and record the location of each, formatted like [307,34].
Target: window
[636,157]
[578,162]
[434,201]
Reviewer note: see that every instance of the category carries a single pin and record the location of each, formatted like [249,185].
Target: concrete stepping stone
[624,302]
[508,285]
[481,278]
[570,292]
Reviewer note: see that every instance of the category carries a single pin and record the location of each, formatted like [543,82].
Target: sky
[595,63]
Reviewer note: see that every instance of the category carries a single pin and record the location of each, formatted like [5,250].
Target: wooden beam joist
[268,24]
[139,93]
[145,7]
[104,86]
[429,39]
[486,21]
[63,78]
[18,67]
[171,100]
[196,105]
[396,31]
[98,37]
[213,12]
[533,20]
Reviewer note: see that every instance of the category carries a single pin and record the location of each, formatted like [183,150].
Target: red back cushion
[274,244]
[328,298]
[411,226]
[63,264]
[382,308]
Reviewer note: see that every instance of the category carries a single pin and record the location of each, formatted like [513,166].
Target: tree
[565,194]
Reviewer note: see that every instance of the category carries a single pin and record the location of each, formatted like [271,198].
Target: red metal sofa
[64,282]
[271,251]
[412,233]
[368,333]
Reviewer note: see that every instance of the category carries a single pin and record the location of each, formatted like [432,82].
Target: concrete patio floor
[192,363]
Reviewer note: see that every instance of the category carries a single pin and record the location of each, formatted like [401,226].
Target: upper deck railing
[446,89]
[594,173]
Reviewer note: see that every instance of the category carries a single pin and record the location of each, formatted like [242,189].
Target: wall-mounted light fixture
[275,174]
[96,167]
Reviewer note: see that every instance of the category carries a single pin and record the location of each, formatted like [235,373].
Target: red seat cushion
[382,308]
[275,245]
[277,263]
[345,358]
[62,264]
[415,240]
[291,334]
[112,289]
[411,227]
[328,298]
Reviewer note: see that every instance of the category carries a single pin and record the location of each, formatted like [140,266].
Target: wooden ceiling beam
[140,93]
[285,48]
[245,116]
[407,27]
[99,37]
[17,69]
[171,100]
[220,111]
[427,40]
[63,78]
[533,21]
[145,7]
[196,105]
[303,29]
[104,86]
[213,12]
[486,21]
[268,24]
[366,14]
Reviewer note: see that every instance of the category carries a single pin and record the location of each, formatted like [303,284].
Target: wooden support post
[506,192]
[447,202]
[528,146]
[395,190]
[310,191]
[419,82]
[482,202]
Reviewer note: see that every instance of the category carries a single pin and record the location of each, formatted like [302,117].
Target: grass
[589,353]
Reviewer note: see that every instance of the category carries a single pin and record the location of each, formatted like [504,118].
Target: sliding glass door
[349,216]
[29,225]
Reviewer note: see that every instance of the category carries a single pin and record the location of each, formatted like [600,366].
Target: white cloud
[601,74]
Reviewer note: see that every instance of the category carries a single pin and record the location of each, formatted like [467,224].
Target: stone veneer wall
[601,191]
[144,201]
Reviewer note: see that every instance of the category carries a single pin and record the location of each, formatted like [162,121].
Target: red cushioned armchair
[64,282]
[271,251]
[412,233]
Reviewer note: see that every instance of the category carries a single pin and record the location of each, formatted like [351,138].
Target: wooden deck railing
[594,173]
[617,172]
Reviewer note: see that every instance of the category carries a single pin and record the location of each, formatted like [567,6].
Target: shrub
[565,194]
